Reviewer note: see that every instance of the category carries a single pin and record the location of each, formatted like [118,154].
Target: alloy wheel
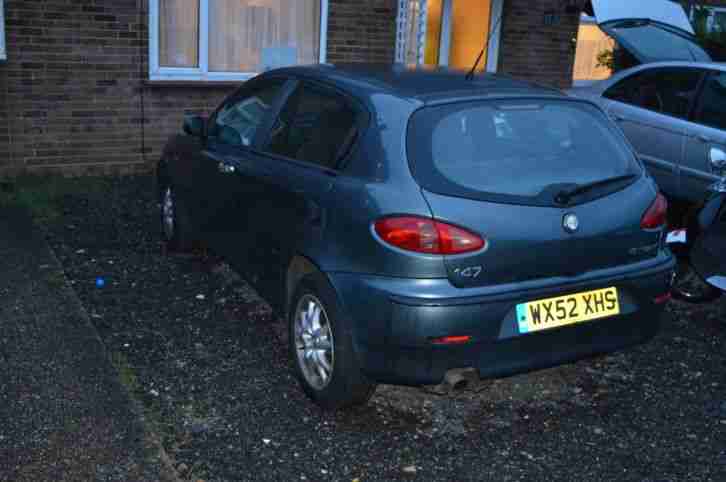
[688,285]
[167,214]
[314,342]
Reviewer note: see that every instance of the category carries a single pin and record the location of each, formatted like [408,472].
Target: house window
[233,39]
[449,33]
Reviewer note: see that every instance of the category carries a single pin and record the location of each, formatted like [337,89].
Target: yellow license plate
[566,310]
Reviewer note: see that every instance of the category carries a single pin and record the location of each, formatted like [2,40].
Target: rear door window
[713,102]
[315,126]
[666,91]
[519,151]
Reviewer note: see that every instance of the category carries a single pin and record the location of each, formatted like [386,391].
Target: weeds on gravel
[159,434]
[126,372]
[154,418]
[55,279]
[42,194]
[71,425]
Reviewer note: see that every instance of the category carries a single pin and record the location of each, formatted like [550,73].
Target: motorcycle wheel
[689,287]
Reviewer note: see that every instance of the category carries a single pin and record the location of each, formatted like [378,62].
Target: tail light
[451,340]
[664,298]
[655,216]
[423,235]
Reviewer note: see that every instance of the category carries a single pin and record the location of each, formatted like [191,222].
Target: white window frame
[3,53]
[404,22]
[202,73]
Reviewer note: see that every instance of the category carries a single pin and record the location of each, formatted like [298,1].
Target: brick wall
[70,92]
[72,87]
[530,49]
[362,31]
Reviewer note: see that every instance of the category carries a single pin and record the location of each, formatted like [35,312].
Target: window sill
[193,83]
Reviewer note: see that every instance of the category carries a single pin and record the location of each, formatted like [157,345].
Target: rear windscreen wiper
[564,197]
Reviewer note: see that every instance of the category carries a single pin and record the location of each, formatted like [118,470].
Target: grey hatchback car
[410,222]
[671,107]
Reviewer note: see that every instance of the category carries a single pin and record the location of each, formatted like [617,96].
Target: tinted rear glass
[654,42]
[522,151]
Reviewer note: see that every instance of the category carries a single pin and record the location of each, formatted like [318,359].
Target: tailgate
[530,242]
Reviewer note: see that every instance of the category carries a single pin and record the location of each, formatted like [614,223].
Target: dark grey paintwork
[276,219]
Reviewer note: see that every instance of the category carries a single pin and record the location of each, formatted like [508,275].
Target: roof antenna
[470,75]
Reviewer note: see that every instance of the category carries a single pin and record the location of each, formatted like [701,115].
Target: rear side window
[666,91]
[713,102]
[515,151]
[315,126]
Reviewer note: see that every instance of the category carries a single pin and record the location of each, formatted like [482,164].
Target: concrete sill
[193,83]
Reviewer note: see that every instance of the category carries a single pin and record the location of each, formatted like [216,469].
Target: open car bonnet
[651,30]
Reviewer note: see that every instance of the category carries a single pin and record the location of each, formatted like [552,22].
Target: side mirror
[194,125]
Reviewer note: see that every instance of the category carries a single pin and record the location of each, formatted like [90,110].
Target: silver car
[672,107]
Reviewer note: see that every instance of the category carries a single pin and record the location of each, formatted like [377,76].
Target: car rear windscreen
[656,43]
[516,151]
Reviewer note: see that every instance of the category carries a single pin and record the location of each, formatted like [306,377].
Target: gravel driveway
[203,353]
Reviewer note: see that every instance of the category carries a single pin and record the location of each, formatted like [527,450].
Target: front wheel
[321,347]
[689,287]
[175,226]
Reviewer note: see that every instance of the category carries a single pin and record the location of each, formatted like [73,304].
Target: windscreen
[519,151]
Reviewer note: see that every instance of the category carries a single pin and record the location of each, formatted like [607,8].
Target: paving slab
[64,414]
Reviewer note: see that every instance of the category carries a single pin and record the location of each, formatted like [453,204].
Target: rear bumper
[395,319]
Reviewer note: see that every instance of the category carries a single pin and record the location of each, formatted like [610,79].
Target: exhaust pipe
[459,379]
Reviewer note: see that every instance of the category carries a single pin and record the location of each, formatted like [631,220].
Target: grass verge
[41,195]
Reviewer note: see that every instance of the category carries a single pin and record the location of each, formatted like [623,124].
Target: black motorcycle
[701,247]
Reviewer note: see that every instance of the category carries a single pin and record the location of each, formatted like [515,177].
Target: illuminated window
[233,39]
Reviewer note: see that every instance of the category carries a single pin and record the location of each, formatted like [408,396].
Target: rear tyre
[176,230]
[689,287]
[321,347]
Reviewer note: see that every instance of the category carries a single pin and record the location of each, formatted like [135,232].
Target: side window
[623,90]
[314,126]
[677,88]
[713,102]
[236,123]
[666,91]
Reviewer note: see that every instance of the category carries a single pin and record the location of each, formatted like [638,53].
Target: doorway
[449,33]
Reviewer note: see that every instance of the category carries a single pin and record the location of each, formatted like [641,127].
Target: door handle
[314,213]
[223,166]
[704,138]
[226,168]
[619,117]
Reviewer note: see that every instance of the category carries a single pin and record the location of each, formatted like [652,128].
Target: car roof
[617,77]
[685,63]
[421,83]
